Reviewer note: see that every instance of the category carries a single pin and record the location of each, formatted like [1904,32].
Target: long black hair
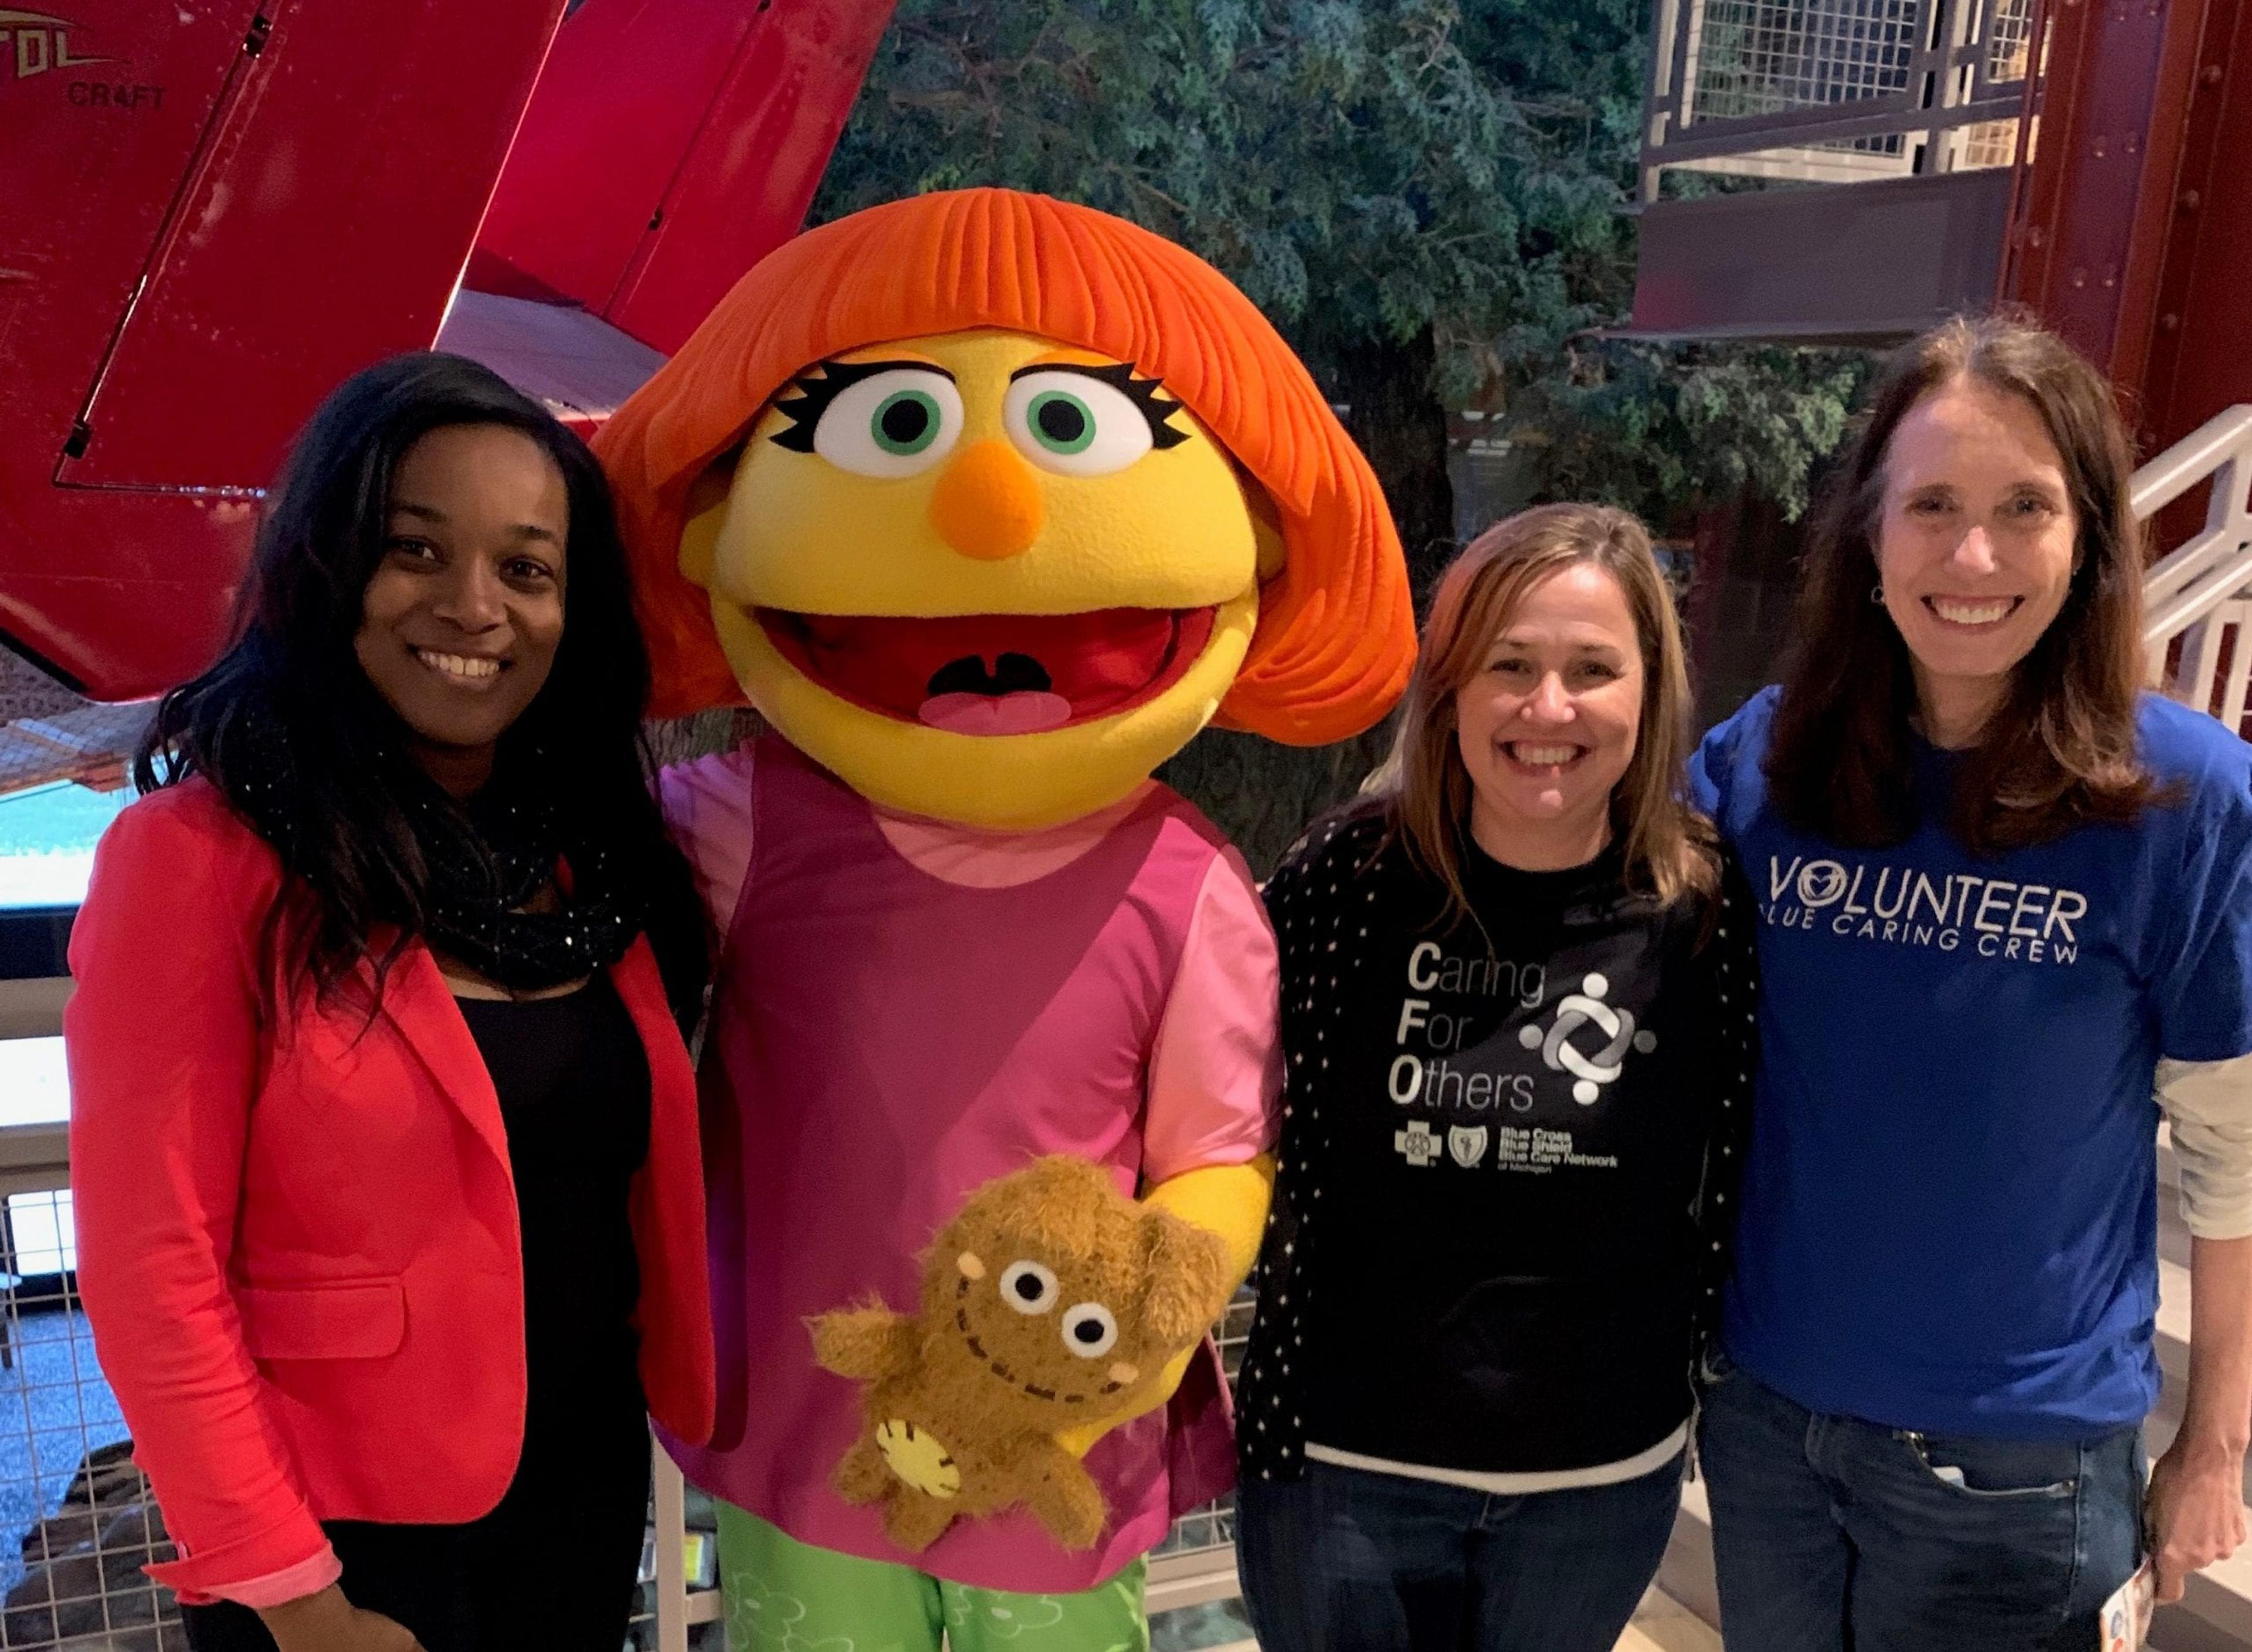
[288,727]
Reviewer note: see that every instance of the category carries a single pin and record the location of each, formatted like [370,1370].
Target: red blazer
[297,1234]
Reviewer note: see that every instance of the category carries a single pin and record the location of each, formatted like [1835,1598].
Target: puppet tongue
[1022,712]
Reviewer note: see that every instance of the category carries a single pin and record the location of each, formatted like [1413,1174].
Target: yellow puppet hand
[1230,1200]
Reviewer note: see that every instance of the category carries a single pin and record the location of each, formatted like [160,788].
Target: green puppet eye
[892,423]
[1060,422]
[905,422]
[1070,420]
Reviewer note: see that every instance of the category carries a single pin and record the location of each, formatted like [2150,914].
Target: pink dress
[904,1011]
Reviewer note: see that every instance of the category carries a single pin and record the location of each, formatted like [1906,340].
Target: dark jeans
[1830,1532]
[1344,1560]
[552,1568]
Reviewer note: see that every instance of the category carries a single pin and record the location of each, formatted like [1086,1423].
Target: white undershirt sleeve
[2208,1108]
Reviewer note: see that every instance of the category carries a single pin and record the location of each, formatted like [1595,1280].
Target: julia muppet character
[988,503]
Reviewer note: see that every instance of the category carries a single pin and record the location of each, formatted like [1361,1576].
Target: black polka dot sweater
[1511,1149]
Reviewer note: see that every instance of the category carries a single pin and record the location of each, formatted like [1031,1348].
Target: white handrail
[2181,466]
[2192,593]
[677,1608]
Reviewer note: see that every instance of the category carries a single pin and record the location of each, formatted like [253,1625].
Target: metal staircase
[2199,593]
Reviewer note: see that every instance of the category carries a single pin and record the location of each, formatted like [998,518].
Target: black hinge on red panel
[81,438]
[254,42]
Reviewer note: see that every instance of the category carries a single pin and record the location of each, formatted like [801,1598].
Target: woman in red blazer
[389,1200]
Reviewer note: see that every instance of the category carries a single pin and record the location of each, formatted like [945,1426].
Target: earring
[1877,595]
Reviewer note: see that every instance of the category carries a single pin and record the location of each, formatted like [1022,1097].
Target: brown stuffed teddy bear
[1045,1302]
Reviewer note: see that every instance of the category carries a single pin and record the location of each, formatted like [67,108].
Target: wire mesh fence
[2009,40]
[1761,87]
[1761,57]
[77,1520]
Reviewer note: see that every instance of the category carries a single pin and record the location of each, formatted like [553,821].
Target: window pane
[47,835]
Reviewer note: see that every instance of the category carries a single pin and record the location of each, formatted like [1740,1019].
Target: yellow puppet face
[981,577]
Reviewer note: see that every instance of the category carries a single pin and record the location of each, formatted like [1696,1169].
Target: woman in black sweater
[1517,988]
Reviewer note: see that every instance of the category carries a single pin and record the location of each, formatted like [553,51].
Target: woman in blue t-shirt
[2007,905]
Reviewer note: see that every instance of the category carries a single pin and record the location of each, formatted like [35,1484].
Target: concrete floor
[54,1408]
[1664,1626]
[1660,1626]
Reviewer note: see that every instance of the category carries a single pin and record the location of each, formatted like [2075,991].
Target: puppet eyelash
[1143,392]
[814,390]
[817,387]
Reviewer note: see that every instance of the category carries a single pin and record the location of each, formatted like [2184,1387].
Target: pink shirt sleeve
[707,804]
[1216,1074]
[310,1575]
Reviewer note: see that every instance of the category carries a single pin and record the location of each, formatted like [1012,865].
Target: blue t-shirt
[1950,1209]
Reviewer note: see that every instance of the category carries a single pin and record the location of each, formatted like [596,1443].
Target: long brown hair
[2060,750]
[1424,787]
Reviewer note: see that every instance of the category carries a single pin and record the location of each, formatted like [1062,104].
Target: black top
[574,1094]
[1508,1160]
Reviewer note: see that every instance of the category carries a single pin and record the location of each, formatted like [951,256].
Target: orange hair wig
[1335,635]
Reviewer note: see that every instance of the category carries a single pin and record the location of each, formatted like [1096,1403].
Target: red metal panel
[323,226]
[87,186]
[205,229]
[2137,236]
[672,145]
[628,85]
[2101,193]
[2200,358]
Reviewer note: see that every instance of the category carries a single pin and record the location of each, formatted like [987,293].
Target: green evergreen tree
[1431,200]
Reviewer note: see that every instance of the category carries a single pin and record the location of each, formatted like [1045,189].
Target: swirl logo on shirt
[1582,1008]
[1821,882]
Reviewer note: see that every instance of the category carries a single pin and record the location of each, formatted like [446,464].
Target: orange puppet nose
[988,505]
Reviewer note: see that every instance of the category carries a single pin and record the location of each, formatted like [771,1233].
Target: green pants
[787,1596]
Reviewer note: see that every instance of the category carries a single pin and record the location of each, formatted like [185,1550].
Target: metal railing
[2197,627]
[680,1607]
[1835,91]
[77,1515]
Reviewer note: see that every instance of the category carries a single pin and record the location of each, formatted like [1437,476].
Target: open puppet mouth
[995,673]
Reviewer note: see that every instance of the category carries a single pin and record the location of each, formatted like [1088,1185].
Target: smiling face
[1040,1282]
[982,578]
[1548,726]
[460,624]
[1044,1331]
[1975,546]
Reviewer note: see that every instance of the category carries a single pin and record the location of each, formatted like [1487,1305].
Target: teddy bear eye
[1028,1287]
[1089,1329]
